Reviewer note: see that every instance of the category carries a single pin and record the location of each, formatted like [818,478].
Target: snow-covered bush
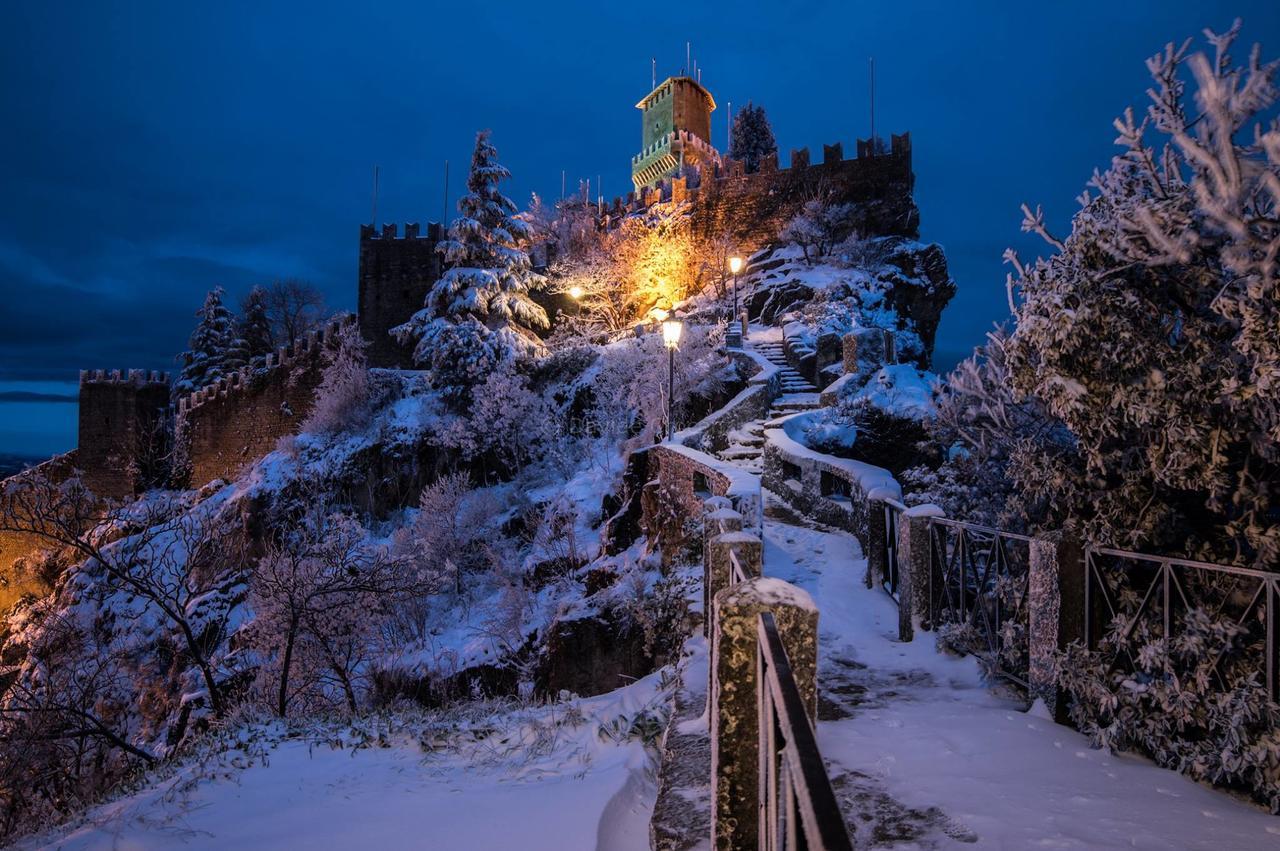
[318,596]
[1151,331]
[1165,698]
[979,423]
[631,385]
[818,227]
[342,397]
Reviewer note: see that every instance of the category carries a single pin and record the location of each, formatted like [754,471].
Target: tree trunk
[286,662]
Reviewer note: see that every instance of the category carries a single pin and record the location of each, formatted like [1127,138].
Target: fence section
[979,582]
[1135,601]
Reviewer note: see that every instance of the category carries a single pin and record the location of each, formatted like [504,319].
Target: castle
[127,420]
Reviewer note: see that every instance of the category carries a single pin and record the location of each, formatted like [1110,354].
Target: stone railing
[835,491]
[766,769]
[752,403]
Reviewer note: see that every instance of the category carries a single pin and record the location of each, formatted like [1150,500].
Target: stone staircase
[746,444]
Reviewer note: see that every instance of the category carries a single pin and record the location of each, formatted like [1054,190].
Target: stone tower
[675,131]
[395,274]
[123,429]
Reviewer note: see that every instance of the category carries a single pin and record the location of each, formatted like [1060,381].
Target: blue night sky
[154,150]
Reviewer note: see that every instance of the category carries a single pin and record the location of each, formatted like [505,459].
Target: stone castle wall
[123,429]
[396,271]
[16,545]
[394,276]
[751,209]
[226,425]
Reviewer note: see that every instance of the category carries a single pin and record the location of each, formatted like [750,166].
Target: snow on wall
[834,490]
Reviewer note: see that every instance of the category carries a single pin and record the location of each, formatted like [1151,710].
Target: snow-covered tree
[342,397]
[316,596]
[818,226]
[1153,330]
[484,295]
[210,355]
[255,324]
[752,137]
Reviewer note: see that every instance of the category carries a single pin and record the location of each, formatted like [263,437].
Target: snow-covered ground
[564,776]
[924,755]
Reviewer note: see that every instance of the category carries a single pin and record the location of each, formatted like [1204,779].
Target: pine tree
[255,324]
[485,293]
[208,357]
[752,137]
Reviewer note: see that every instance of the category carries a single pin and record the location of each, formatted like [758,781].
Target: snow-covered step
[741,453]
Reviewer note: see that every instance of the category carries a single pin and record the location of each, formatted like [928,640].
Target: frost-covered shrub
[631,385]
[818,226]
[978,425]
[1163,697]
[342,399]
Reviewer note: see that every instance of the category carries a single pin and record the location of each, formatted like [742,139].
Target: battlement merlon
[435,232]
[140,378]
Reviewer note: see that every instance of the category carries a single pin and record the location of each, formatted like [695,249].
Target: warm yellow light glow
[658,314]
[735,264]
[576,292]
[671,331]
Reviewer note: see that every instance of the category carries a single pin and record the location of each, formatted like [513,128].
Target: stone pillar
[877,551]
[715,523]
[1055,613]
[914,567]
[749,550]
[735,736]
[863,346]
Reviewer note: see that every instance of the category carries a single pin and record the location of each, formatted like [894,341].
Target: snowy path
[549,781]
[923,755]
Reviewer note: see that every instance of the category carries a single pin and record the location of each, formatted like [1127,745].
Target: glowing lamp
[735,265]
[576,293]
[671,331]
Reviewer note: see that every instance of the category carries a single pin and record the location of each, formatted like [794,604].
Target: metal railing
[888,572]
[1126,591]
[978,582]
[798,808]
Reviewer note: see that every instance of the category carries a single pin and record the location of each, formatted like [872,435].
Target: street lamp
[671,331]
[735,266]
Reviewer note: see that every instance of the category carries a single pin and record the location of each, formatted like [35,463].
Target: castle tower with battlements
[394,276]
[675,131]
[123,430]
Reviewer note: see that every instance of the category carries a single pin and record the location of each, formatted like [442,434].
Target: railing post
[1055,613]
[735,696]
[877,543]
[914,566]
[725,535]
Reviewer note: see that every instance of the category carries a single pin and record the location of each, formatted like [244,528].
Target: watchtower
[123,429]
[675,131]
[395,274]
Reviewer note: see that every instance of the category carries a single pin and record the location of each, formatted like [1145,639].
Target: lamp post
[735,266]
[671,331]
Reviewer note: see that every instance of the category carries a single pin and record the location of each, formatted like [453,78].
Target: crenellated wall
[752,208]
[123,431]
[226,425]
[394,275]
